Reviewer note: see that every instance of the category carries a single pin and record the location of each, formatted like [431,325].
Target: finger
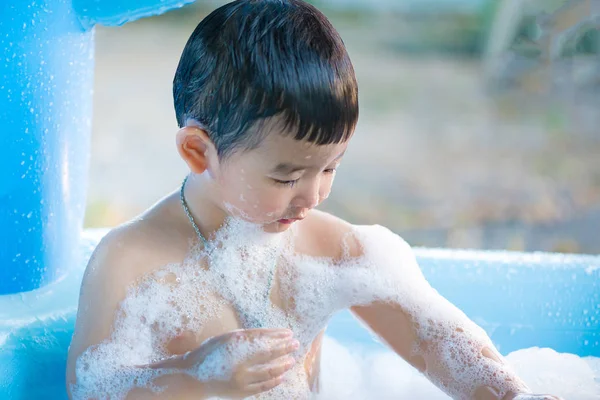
[276,350]
[270,371]
[167,363]
[256,388]
[271,333]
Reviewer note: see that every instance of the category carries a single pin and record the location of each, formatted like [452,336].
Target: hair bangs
[255,61]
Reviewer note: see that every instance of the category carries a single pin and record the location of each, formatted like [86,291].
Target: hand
[533,397]
[243,363]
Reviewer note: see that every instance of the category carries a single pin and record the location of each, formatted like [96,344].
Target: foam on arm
[400,306]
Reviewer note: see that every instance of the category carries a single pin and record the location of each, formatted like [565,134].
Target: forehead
[284,148]
[279,145]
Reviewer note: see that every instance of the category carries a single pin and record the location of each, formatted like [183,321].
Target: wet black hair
[250,60]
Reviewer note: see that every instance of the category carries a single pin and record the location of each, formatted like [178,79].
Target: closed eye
[293,182]
[286,183]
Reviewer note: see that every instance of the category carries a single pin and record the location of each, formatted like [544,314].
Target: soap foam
[352,372]
[236,269]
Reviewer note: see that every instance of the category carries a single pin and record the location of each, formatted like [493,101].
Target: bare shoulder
[325,235]
[133,250]
[137,248]
[126,254]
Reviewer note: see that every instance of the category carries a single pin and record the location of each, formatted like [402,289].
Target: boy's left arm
[435,337]
[394,327]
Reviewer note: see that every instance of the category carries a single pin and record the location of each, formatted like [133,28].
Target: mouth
[289,221]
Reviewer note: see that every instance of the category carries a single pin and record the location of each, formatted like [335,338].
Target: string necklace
[252,321]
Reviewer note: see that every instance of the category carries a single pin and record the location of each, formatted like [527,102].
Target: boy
[224,287]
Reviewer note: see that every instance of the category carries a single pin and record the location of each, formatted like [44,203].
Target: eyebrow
[288,169]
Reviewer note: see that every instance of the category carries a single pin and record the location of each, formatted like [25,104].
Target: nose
[308,194]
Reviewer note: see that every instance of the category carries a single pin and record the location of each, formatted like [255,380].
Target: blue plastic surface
[46,80]
[119,12]
[35,333]
[522,300]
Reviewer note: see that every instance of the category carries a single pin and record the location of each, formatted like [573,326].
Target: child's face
[279,182]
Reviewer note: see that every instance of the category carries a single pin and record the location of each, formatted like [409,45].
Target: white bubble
[244,262]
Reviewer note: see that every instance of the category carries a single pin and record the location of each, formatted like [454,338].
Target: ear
[195,148]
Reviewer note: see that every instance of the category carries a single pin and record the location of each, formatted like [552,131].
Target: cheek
[256,200]
[271,202]
[325,188]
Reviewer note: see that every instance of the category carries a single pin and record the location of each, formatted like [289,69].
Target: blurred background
[479,127]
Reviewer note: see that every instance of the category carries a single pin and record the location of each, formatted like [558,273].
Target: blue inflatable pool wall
[46,81]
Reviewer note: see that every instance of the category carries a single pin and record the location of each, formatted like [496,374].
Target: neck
[202,200]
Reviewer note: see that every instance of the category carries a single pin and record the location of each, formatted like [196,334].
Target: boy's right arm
[119,260]
[113,267]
